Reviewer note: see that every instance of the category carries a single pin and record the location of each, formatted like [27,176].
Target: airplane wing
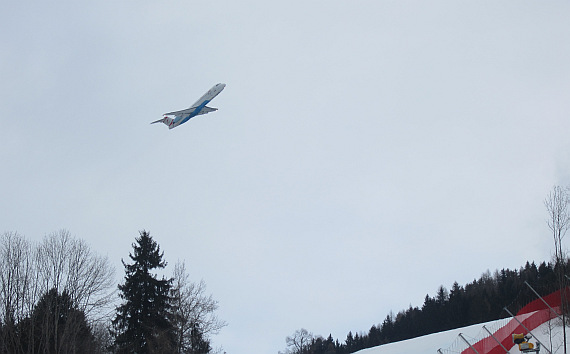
[186,112]
[182,112]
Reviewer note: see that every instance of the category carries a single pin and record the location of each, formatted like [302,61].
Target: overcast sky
[363,153]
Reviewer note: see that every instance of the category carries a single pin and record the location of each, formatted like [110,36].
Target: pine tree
[143,322]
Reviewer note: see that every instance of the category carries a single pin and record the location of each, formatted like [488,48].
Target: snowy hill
[450,342]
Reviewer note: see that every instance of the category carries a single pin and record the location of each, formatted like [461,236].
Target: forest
[58,296]
[479,301]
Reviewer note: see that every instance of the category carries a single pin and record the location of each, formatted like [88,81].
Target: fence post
[496,340]
[470,346]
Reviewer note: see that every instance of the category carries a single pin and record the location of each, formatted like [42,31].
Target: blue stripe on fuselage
[195,112]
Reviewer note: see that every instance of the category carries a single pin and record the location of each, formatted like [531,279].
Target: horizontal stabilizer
[166,120]
[206,109]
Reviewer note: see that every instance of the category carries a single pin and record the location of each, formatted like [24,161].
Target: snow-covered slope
[450,342]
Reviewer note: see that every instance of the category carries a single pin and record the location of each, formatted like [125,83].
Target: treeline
[480,301]
[57,296]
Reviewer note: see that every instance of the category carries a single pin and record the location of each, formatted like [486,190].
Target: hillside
[449,341]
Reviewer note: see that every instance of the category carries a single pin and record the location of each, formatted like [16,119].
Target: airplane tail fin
[166,120]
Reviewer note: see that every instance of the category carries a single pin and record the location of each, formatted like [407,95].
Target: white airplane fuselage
[199,107]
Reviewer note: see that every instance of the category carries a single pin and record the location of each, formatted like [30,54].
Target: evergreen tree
[200,345]
[143,322]
[350,344]
[56,326]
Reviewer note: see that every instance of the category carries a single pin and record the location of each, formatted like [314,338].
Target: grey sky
[353,140]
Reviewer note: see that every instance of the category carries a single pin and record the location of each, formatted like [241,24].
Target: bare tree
[15,270]
[67,264]
[557,204]
[299,343]
[194,311]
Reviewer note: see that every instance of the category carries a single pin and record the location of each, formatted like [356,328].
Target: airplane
[198,108]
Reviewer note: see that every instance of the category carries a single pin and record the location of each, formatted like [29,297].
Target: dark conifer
[142,323]
[199,344]
[55,326]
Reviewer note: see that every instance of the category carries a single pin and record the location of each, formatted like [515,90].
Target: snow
[450,342]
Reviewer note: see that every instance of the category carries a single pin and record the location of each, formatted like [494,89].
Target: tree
[57,326]
[558,220]
[143,323]
[16,267]
[349,342]
[557,204]
[299,343]
[194,316]
[67,264]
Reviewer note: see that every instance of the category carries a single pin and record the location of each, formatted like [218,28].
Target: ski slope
[450,342]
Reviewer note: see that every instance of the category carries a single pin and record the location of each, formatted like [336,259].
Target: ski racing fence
[496,337]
